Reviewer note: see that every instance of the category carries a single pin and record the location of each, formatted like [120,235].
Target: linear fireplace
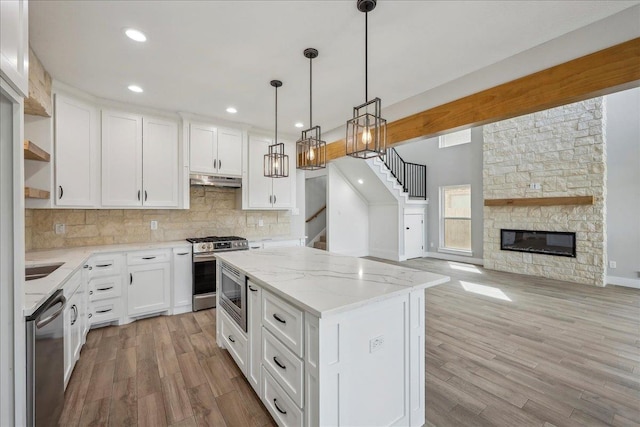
[558,243]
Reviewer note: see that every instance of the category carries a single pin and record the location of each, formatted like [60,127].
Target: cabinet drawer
[284,321]
[105,311]
[234,340]
[105,287]
[286,367]
[146,257]
[106,265]
[282,408]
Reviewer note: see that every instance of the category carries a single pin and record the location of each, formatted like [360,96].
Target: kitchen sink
[40,271]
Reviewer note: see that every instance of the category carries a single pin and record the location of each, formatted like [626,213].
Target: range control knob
[203,247]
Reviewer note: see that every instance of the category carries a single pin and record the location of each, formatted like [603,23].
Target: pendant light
[276,163]
[311,151]
[367,130]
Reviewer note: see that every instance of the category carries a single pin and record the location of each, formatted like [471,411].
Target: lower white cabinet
[235,340]
[281,407]
[182,280]
[148,289]
[74,293]
[254,322]
[104,288]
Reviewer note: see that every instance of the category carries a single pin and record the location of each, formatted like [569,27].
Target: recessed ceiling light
[299,124]
[231,110]
[360,181]
[135,88]
[135,35]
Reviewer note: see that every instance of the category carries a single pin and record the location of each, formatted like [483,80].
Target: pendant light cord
[276,115]
[310,92]
[366,57]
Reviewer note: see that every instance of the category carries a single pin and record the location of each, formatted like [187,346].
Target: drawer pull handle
[90,315]
[104,311]
[104,289]
[275,402]
[252,290]
[130,278]
[275,359]
[183,253]
[90,292]
[231,338]
[278,318]
[103,265]
[148,257]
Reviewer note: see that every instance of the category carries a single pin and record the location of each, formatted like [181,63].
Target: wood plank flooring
[501,350]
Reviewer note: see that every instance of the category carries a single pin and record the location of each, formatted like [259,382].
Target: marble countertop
[37,291]
[324,283]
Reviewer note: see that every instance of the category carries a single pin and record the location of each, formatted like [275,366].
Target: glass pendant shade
[276,163]
[367,131]
[311,151]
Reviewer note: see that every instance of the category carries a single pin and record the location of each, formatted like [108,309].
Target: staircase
[406,181]
[321,243]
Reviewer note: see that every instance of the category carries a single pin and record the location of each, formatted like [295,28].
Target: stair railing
[315,215]
[411,176]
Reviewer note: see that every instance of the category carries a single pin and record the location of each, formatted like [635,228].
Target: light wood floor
[536,352]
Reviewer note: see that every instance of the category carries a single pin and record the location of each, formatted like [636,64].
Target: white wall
[298,215]
[347,218]
[383,232]
[623,186]
[460,164]
[316,198]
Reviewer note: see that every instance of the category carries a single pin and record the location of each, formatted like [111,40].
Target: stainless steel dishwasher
[45,362]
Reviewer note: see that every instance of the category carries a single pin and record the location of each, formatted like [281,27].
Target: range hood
[215,181]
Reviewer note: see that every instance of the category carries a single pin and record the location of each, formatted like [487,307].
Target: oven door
[233,295]
[204,281]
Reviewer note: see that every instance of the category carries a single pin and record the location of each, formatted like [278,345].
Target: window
[455,218]
[455,138]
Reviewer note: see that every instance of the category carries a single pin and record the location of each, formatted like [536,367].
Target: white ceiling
[202,57]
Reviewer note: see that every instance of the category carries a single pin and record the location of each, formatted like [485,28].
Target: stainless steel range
[204,266]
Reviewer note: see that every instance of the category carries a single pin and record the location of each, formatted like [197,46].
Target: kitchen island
[330,340]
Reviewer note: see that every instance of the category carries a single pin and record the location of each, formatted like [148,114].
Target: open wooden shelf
[541,201]
[34,193]
[33,152]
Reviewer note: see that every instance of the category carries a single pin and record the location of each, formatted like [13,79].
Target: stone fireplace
[557,243]
[554,153]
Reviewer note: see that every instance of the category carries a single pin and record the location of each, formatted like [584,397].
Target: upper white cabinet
[268,193]
[215,151]
[14,44]
[76,153]
[139,161]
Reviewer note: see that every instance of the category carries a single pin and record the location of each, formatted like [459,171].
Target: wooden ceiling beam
[606,71]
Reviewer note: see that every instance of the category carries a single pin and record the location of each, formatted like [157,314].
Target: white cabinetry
[235,340]
[14,44]
[149,286]
[73,329]
[182,281]
[215,151]
[254,322]
[76,153]
[105,285]
[268,193]
[139,161]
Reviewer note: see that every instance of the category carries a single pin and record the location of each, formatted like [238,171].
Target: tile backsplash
[213,212]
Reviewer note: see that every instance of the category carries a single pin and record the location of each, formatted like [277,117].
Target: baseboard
[182,309]
[385,254]
[457,258]
[623,281]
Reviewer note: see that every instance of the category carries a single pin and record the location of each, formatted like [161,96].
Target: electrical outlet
[154,225]
[295,211]
[535,186]
[60,229]
[431,244]
[376,343]
[612,264]
[260,223]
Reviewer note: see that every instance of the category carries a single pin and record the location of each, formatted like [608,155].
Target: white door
[121,159]
[229,152]
[159,163]
[76,146]
[260,187]
[413,235]
[182,278]
[203,157]
[148,290]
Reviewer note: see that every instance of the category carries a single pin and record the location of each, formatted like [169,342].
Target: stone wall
[563,149]
[213,212]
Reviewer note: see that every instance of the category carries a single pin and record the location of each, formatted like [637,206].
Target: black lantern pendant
[311,151]
[367,130]
[276,163]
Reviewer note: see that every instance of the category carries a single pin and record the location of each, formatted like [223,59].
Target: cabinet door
[182,278]
[72,335]
[229,152]
[203,157]
[160,163]
[76,149]
[14,44]
[121,159]
[148,290]
[260,187]
[254,321]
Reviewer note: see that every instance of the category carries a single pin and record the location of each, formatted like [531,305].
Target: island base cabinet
[254,314]
[234,340]
[281,407]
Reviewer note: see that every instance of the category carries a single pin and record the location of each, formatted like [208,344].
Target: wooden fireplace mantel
[541,201]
